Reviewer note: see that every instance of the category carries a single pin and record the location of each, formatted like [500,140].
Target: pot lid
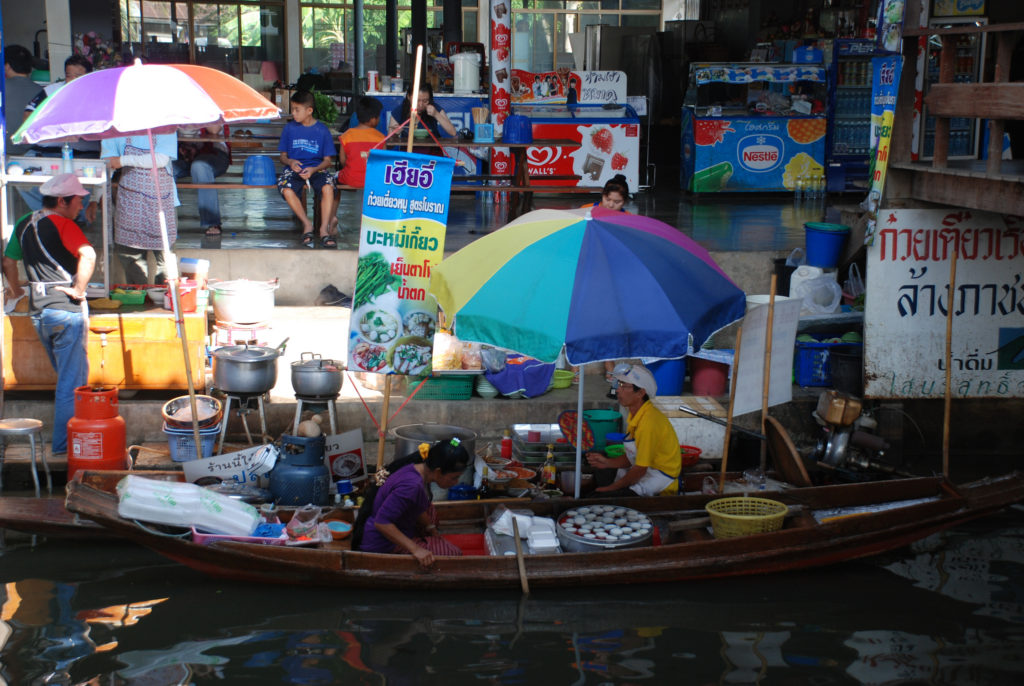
[319,363]
[245,353]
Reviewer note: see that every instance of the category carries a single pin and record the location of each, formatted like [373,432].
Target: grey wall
[22,20]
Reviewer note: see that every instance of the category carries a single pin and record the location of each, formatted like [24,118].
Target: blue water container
[669,375]
[259,171]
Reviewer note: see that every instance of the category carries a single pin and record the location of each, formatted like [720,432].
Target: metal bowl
[569,528]
[178,412]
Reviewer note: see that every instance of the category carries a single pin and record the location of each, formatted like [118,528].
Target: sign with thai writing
[344,455]
[405,213]
[566,86]
[907,301]
[884,89]
[241,467]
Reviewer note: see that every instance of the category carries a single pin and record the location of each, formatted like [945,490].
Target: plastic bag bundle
[820,295]
[447,351]
[185,505]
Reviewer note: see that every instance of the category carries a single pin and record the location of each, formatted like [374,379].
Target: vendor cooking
[652,464]
[398,517]
[58,262]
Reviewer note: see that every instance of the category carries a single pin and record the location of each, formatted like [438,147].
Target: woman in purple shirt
[398,516]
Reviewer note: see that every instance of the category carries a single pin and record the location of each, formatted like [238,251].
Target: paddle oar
[722,422]
[519,558]
[948,396]
[732,400]
[767,374]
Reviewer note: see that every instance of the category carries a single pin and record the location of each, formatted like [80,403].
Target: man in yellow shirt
[652,464]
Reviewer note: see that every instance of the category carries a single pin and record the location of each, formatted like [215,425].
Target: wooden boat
[917,507]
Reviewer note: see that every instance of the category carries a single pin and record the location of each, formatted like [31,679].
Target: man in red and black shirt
[58,265]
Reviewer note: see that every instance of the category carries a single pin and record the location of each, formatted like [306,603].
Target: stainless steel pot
[245,369]
[409,437]
[316,377]
[243,301]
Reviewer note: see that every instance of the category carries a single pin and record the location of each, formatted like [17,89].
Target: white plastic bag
[821,295]
[855,284]
[796,258]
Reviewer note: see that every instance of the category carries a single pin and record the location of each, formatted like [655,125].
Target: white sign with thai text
[242,467]
[907,298]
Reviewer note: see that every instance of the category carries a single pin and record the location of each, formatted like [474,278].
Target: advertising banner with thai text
[907,304]
[405,213]
[884,90]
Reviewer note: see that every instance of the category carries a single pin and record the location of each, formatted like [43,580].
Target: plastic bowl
[339,529]
[177,413]
[156,295]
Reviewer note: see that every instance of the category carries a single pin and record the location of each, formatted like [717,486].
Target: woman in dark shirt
[431,116]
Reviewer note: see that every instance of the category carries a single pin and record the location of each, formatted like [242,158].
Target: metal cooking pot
[245,369]
[316,377]
[243,301]
[409,437]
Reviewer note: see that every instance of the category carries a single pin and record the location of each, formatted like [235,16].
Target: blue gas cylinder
[300,476]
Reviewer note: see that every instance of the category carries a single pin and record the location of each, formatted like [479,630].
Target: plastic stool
[33,428]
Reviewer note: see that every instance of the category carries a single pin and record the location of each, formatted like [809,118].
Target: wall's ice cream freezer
[606,142]
[753,127]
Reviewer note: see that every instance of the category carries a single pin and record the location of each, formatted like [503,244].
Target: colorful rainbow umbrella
[606,285]
[142,99]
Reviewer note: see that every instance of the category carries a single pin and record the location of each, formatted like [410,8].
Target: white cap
[638,375]
[63,185]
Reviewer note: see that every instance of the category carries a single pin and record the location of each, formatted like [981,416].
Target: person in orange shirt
[356,143]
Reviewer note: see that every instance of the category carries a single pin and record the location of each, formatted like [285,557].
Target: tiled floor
[260,218]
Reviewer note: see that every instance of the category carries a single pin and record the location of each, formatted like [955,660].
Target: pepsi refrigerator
[848,141]
[968,65]
[753,127]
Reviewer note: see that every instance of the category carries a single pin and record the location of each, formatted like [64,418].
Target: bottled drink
[506,445]
[549,473]
[800,188]
[68,165]
[484,491]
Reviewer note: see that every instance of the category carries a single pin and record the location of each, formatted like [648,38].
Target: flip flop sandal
[213,231]
[328,242]
[308,239]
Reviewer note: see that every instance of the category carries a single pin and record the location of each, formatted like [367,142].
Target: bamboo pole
[948,396]
[414,98]
[767,372]
[384,422]
[523,581]
[732,398]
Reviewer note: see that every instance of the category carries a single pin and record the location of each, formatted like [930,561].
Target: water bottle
[799,189]
[68,164]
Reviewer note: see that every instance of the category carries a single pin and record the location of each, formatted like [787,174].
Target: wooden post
[767,373]
[948,396]
[732,398]
[384,422]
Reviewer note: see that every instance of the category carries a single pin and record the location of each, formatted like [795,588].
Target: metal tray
[574,542]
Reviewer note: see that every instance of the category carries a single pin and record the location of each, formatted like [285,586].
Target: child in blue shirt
[307,150]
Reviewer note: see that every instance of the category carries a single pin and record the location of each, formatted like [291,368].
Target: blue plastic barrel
[669,375]
[259,171]
[824,243]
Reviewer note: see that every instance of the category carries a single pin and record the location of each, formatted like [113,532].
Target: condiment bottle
[549,473]
[483,492]
[506,445]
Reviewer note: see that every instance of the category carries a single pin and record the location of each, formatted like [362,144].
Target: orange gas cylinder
[96,435]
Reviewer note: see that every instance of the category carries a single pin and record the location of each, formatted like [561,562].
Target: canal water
[949,610]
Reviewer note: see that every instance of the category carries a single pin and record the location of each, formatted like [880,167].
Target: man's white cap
[641,376]
[63,185]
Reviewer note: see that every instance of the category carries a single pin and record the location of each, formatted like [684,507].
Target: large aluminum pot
[245,369]
[316,377]
[243,301]
[409,437]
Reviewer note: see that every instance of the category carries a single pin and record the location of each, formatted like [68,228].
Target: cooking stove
[243,403]
[316,400]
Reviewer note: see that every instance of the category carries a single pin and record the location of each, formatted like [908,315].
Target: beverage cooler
[754,127]
[968,65]
[600,142]
[848,141]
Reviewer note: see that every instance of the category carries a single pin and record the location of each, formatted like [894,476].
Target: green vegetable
[373,278]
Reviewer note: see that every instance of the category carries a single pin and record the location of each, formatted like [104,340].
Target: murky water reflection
[116,614]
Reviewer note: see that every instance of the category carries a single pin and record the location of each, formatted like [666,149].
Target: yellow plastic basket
[731,517]
[562,378]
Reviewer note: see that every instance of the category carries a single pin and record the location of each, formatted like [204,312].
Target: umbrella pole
[732,398]
[948,396]
[767,375]
[384,423]
[579,434]
[171,265]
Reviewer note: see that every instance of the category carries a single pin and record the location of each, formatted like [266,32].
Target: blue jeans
[62,334]
[203,170]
